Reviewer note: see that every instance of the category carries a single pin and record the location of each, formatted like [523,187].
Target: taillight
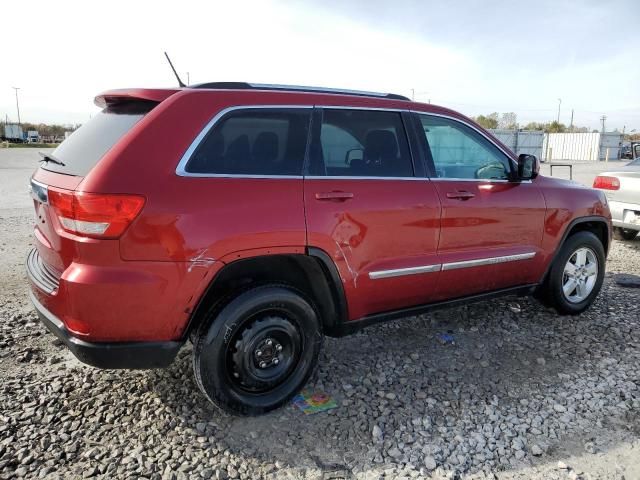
[95,215]
[606,183]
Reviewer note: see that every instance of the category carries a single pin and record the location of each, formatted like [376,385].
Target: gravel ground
[522,393]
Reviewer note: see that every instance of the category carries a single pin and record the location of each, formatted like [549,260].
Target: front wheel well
[305,273]
[598,227]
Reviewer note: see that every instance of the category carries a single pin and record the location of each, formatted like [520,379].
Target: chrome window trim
[341,177]
[181,168]
[241,175]
[449,117]
[481,180]
[368,109]
[487,261]
[398,272]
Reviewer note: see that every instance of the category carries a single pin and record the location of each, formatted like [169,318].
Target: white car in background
[622,188]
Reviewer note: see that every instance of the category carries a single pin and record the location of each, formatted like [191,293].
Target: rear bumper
[128,355]
[622,213]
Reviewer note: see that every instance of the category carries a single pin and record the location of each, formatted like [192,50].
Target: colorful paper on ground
[314,402]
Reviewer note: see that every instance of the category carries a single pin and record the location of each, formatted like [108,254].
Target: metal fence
[522,141]
[551,147]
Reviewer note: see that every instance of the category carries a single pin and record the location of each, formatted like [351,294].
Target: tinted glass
[362,143]
[254,142]
[460,152]
[87,145]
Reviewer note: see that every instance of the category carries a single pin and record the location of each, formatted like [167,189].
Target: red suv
[253,220]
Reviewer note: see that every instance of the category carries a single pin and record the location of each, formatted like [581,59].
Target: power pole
[571,125]
[17,104]
[559,103]
[602,119]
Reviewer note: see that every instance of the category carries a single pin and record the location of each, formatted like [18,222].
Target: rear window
[254,142]
[87,145]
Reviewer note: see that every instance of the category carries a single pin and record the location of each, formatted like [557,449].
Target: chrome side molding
[398,272]
[488,261]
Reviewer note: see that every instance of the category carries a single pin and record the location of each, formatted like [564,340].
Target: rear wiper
[49,158]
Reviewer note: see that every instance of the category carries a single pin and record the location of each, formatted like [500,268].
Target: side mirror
[528,167]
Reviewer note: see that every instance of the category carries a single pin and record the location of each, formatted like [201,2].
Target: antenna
[180,82]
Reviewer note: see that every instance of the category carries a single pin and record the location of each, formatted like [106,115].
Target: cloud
[500,56]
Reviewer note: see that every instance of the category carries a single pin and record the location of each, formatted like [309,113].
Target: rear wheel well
[305,273]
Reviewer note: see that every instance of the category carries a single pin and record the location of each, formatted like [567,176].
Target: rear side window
[87,145]
[254,142]
[364,143]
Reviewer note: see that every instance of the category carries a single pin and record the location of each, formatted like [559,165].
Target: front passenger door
[491,227]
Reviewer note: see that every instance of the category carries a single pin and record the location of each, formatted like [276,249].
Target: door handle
[460,195]
[334,196]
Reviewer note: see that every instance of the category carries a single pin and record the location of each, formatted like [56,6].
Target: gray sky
[473,56]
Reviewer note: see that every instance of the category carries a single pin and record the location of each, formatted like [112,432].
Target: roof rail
[296,88]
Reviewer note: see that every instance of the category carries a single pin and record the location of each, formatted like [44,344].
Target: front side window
[254,142]
[461,153]
[365,143]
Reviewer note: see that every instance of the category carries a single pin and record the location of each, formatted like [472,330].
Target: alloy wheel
[580,275]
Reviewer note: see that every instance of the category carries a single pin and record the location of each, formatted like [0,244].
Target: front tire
[576,275]
[258,351]
[624,233]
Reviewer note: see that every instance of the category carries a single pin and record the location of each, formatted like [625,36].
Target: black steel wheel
[258,351]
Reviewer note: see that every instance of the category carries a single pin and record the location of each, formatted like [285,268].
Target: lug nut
[259,353]
[269,342]
[279,347]
[263,364]
[276,361]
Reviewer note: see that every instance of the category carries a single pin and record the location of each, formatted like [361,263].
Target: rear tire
[624,233]
[576,275]
[257,351]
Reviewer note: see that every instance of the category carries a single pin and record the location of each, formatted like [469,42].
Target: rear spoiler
[112,97]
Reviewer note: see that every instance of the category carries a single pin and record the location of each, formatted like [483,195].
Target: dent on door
[376,238]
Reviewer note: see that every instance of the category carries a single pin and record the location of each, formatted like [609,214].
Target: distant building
[13,132]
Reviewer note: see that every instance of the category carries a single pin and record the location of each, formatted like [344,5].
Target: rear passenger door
[245,172]
[370,208]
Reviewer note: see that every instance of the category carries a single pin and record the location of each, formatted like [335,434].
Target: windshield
[79,153]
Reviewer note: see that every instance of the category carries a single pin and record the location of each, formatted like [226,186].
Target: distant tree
[508,121]
[555,127]
[534,126]
[48,130]
[488,121]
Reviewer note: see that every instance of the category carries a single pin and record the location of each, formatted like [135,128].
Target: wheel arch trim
[208,300]
[567,231]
